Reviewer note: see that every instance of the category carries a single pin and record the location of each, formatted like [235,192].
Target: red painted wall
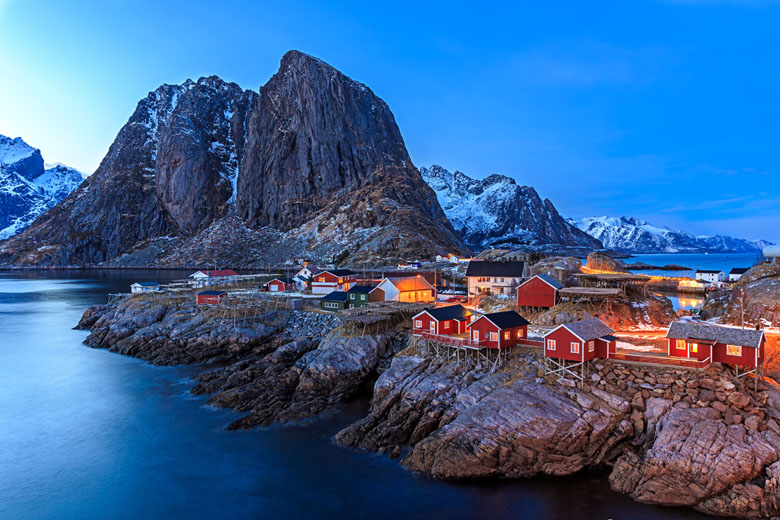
[426,324]
[535,293]
[446,327]
[209,299]
[280,286]
[748,358]
[602,346]
[703,351]
[563,339]
[485,327]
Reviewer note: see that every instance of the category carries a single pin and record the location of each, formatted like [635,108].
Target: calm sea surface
[719,261]
[88,434]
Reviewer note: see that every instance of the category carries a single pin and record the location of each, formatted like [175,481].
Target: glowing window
[418,323]
[591,346]
[575,347]
[519,333]
[680,344]
[493,336]
[734,350]
[550,344]
[507,335]
[694,347]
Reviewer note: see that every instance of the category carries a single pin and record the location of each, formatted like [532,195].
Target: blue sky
[666,110]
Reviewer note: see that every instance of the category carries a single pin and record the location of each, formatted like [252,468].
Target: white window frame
[591,346]
[575,347]
[475,335]
[550,344]
[494,336]
[417,324]
[738,349]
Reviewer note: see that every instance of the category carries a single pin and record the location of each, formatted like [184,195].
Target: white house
[144,287]
[213,277]
[409,289]
[736,273]
[486,277]
[710,275]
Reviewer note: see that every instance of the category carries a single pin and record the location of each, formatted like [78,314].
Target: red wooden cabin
[449,320]
[281,284]
[539,291]
[580,341]
[210,297]
[331,280]
[709,342]
[498,329]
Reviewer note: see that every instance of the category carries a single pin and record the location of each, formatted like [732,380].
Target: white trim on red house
[567,328]
[542,279]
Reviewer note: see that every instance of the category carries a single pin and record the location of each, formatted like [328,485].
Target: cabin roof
[549,280]
[283,280]
[336,296]
[506,319]
[709,271]
[361,289]
[509,269]
[339,272]
[688,329]
[739,270]
[147,284]
[409,283]
[586,330]
[212,293]
[451,312]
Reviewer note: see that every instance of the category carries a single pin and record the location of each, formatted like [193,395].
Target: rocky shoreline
[702,439]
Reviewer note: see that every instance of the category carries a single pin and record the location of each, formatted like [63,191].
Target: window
[363,297]
[494,336]
[680,344]
[550,344]
[446,324]
[591,346]
[519,333]
[575,347]
[351,296]
[507,335]
[734,350]
[418,324]
[475,335]
[694,347]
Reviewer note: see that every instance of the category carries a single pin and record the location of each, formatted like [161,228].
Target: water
[88,434]
[721,261]
[686,302]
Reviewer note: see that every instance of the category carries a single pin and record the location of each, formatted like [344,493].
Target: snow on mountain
[639,236]
[27,189]
[495,211]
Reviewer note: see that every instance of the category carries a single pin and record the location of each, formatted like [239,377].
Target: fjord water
[88,434]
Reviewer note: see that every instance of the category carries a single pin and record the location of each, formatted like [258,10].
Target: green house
[358,295]
[334,302]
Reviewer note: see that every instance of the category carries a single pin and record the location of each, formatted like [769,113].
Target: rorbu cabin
[408,289]
[498,329]
[281,285]
[213,277]
[708,342]
[327,281]
[450,320]
[358,295]
[335,301]
[580,341]
[211,297]
[144,287]
[538,291]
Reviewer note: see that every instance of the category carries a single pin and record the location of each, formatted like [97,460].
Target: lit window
[446,324]
[575,347]
[507,335]
[734,350]
[475,335]
[494,336]
[519,333]
[418,323]
[680,344]
[550,344]
[591,346]
[694,347]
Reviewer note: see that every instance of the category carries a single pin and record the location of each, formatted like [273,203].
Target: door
[433,327]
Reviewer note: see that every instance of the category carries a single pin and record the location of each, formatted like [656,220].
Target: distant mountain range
[496,212]
[27,187]
[639,236]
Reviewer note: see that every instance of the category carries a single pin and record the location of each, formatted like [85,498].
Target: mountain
[639,236]
[27,188]
[311,165]
[495,211]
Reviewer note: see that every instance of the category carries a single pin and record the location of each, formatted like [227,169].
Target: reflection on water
[88,434]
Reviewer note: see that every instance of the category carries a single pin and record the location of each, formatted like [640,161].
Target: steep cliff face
[315,155]
[495,211]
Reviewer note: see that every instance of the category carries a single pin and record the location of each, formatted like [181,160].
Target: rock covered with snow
[639,236]
[495,211]
[27,187]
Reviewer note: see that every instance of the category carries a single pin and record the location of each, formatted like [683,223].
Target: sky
[666,110]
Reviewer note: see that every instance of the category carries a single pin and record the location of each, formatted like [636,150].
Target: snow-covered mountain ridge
[27,188]
[639,236]
[495,211]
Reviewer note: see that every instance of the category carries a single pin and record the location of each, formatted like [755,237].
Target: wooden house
[409,289]
[497,278]
[281,285]
[710,275]
[736,273]
[210,297]
[450,320]
[358,295]
[580,341]
[538,291]
[213,277]
[498,329]
[334,301]
[329,280]
[144,287]
[709,342]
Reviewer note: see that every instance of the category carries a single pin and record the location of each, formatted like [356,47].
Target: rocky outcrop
[598,261]
[760,286]
[314,161]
